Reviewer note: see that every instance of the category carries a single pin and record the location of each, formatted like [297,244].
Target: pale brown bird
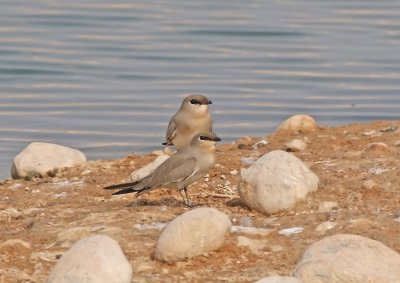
[192,118]
[180,170]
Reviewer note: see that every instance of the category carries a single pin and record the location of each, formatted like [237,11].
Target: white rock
[301,123]
[349,258]
[193,233]
[94,259]
[296,145]
[276,181]
[279,279]
[149,168]
[145,226]
[38,158]
[324,226]
[260,143]
[290,231]
[371,133]
[233,172]
[326,206]
[377,170]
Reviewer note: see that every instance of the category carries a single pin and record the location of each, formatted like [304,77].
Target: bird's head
[206,141]
[196,103]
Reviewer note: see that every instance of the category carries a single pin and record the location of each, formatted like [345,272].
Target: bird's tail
[128,188]
[124,185]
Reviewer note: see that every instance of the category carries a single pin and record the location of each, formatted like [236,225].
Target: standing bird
[180,170]
[191,118]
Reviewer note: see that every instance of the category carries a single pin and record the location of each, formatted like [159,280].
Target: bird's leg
[188,203]
[180,192]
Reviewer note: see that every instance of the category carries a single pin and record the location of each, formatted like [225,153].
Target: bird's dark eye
[194,101]
[202,138]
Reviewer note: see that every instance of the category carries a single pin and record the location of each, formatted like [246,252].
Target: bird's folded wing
[171,131]
[175,169]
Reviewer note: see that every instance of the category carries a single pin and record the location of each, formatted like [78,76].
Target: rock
[38,158]
[94,259]
[279,279]
[254,245]
[377,170]
[149,168]
[324,226]
[295,145]
[291,231]
[233,172]
[276,181]
[349,258]
[301,123]
[327,206]
[260,144]
[372,133]
[193,233]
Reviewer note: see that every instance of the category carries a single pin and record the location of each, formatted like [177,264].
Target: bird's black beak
[209,102]
[216,139]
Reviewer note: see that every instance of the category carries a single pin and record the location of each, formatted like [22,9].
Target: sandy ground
[358,167]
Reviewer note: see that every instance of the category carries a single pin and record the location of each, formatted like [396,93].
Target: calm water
[106,77]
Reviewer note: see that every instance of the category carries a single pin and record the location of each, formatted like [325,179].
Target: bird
[192,118]
[180,170]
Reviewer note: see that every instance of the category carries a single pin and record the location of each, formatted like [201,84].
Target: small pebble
[290,231]
[233,172]
[324,226]
[296,145]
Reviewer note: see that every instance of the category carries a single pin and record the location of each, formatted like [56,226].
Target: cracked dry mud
[358,167]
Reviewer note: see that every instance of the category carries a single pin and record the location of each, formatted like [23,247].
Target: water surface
[106,77]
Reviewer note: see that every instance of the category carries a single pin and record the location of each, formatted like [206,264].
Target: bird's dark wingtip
[111,187]
[124,185]
[125,191]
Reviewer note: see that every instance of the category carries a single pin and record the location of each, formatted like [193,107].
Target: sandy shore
[358,168]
